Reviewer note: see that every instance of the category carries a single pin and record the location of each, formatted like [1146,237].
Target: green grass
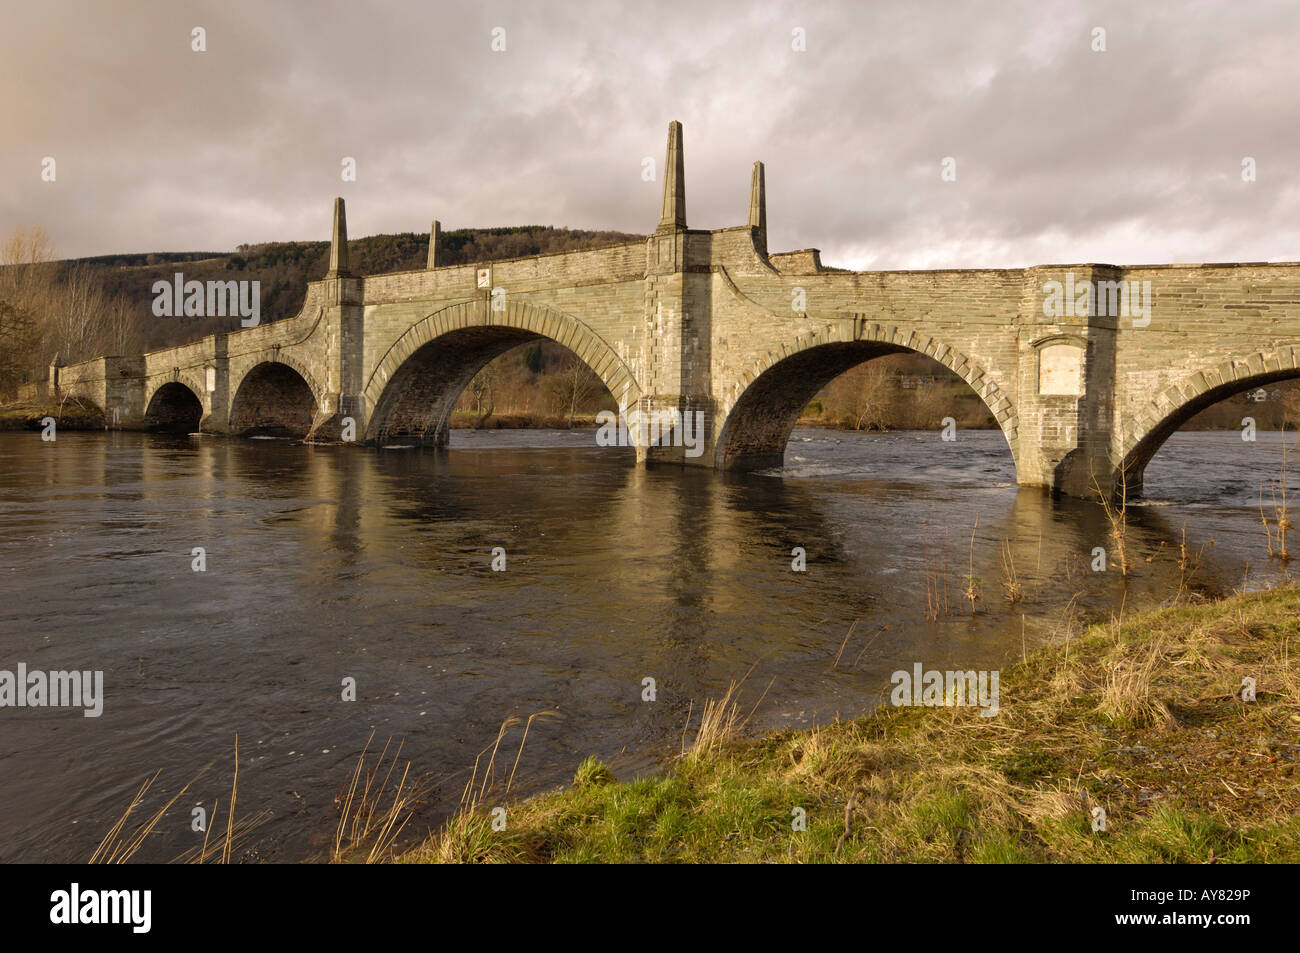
[1139,719]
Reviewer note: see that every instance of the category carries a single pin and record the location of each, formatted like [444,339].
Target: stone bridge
[1086,368]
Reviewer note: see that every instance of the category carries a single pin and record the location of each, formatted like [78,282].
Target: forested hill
[284,268]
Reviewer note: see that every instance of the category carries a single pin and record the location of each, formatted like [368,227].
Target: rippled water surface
[325,563]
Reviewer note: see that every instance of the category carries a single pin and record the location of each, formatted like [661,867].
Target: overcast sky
[1062,154]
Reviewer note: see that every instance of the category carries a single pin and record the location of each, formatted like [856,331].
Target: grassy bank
[1143,719]
[71,414]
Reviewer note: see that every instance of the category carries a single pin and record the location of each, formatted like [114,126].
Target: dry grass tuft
[938,602]
[1012,588]
[1281,518]
[373,807]
[1115,507]
[469,835]
[720,721]
[1127,682]
[118,848]
[972,590]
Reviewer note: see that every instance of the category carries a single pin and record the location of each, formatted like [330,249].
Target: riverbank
[70,414]
[527,421]
[1143,720]
[827,423]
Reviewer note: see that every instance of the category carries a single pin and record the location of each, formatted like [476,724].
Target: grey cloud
[1063,154]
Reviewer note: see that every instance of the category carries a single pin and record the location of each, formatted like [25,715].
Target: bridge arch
[187,377]
[1180,402]
[417,382]
[275,397]
[768,397]
[173,406]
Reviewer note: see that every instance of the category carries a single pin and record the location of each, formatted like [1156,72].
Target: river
[328,563]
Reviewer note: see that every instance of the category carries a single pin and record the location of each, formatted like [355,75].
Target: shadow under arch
[1180,402]
[415,386]
[174,407]
[273,399]
[772,395]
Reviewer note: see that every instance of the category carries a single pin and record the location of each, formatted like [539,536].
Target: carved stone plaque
[1060,370]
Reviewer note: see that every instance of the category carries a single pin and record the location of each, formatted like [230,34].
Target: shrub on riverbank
[1144,720]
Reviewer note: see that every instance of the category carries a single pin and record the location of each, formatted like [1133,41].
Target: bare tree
[120,329]
[871,399]
[27,246]
[573,385]
[26,277]
[75,321]
[16,326]
[49,308]
[481,388]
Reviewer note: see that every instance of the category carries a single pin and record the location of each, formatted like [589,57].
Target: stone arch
[186,378]
[1179,402]
[173,406]
[277,355]
[765,400]
[273,398]
[417,382]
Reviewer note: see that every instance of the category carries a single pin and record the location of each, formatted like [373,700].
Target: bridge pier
[676,353]
[341,413]
[1065,382]
[216,396]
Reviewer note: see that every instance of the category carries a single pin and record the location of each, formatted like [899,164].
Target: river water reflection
[325,563]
